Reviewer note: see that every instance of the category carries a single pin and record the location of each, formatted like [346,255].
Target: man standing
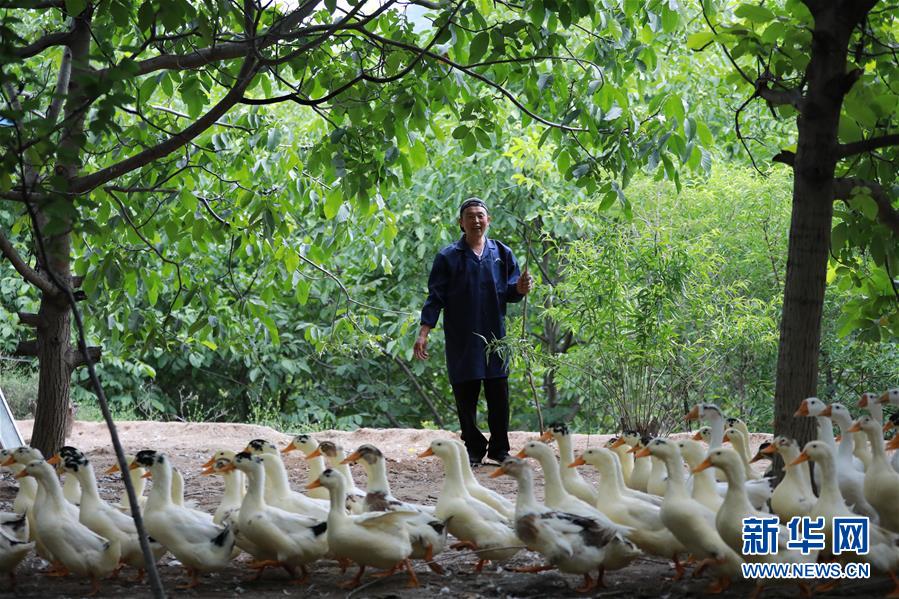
[472,280]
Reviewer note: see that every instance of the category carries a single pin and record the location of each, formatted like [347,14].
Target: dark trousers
[497,393]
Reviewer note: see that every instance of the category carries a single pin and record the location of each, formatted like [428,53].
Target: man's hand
[525,283]
[420,349]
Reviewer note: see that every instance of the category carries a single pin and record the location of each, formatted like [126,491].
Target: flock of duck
[685,503]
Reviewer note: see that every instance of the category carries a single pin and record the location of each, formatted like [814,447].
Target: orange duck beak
[803,457]
[803,409]
[706,463]
[578,461]
[426,453]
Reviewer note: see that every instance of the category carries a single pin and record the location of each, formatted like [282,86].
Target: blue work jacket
[473,295]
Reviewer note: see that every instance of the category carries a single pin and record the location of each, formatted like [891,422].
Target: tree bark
[810,226]
[53,407]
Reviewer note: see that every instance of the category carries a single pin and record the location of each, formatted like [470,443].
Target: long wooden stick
[524,322]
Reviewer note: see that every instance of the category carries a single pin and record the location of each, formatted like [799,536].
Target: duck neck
[847,440]
[878,451]
[735,498]
[337,497]
[566,455]
[453,483]
[658,468]
[276,476]
[716,424]
[625,461]
[377,477]
[52,491]
[344,469]
[161,491]
[830,488]
[233,487]
[797,475]
[825,431]
[552,480]
[71,489]
[676,487]
[611,487]
[526,502]
[316,466]
[90,496]
[704,483]
[255,496]
[876,410]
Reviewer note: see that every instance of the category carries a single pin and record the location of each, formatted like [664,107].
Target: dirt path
[191,444]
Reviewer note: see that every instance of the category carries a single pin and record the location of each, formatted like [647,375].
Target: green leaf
[479,46]
[75,7]
[754,13]
[460,132]
[333,200]
[700,39]
[865,204]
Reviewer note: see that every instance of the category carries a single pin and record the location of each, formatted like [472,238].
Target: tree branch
[886,213]
[57,38]
[62,84]
[93,180]
[75,358]
[468,71]
[785,157]
[26,348]
[225,51]
[778,97]
[29,319]
[33,4]
[867,145]
[28,273]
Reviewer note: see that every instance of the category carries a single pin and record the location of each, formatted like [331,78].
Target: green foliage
[19,385]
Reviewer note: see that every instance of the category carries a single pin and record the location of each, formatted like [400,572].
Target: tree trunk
[54,329]
[53,409]
[810,225]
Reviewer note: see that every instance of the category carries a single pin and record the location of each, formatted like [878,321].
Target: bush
[19,386]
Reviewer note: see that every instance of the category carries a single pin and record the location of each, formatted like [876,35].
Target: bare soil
[191,444]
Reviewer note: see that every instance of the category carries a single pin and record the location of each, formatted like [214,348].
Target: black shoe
[474,463]
[498,459]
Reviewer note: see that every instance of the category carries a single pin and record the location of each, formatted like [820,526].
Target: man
[472,280]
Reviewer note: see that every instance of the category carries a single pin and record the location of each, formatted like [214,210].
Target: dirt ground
[191,444]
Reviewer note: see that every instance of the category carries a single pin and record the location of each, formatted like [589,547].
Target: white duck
[99,516]
[283,538]
[703,487]
[849,475]
[23,456]
[640,474]
[480,492]
[881,481]
[27,490]
[740,444]
[316,465]
[883,551]
[793,496]
[75,546]
[740,425]
[377,539]
[736,507]
[427,533]
[138,483]
[572,480]
[759,491]
[648,532]
[692,523]
[277,486]
[625,458]
[335,456]
[573,544]
[476,524]
[556,497]
[235,484]
[191,535]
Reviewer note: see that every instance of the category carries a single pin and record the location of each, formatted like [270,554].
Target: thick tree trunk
[809,242]
[53,408]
